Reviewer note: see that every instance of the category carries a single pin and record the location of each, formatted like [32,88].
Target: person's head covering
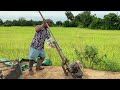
[49,20]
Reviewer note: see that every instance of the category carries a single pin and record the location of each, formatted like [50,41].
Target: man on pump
[37,45]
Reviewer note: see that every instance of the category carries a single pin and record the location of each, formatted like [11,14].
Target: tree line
[85,19]
[20,22]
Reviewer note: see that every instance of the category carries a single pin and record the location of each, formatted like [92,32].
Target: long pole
[52,35]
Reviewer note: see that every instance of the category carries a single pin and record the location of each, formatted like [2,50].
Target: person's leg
[33,54]
[40,60]
[31,62]
[39,63]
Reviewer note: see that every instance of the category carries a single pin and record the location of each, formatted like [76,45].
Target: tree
[97,23]
[59,23]
[1,22]
[29,23]
[66,23]
[85,18]
[8,23]
[111,21]
[37,23]
[119,22]
[74,23]
[22,21]
[69,15]
[15,23]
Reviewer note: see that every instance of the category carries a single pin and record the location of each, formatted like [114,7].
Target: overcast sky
[54,15]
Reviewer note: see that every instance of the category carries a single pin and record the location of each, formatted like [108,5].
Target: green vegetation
[96,44]
[84,19]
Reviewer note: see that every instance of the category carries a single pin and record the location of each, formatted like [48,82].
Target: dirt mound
[9,72]
[54,72]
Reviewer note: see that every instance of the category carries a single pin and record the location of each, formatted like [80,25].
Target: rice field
[15,42]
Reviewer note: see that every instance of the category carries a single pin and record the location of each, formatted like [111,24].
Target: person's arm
[49,40]
[39,27]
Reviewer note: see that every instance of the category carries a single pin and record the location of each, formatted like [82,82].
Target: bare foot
[39,68]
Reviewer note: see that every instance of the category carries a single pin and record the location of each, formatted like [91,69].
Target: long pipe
[51,32]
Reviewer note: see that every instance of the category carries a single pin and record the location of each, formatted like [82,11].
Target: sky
[54,15]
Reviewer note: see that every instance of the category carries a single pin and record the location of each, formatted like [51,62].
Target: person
[37,45]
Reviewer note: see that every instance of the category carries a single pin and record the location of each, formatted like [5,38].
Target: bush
[66,24]
[90,59]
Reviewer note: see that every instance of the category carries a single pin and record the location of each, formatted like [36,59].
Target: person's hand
[50,43]
[52,40]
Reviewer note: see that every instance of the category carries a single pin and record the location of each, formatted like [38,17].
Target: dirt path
[51,72]
[94,74]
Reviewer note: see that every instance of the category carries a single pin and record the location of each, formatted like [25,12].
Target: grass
[15,42]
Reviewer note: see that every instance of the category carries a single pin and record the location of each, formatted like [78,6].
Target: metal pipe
[52,34]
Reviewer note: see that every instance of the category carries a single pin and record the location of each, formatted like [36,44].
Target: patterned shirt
[39,39]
